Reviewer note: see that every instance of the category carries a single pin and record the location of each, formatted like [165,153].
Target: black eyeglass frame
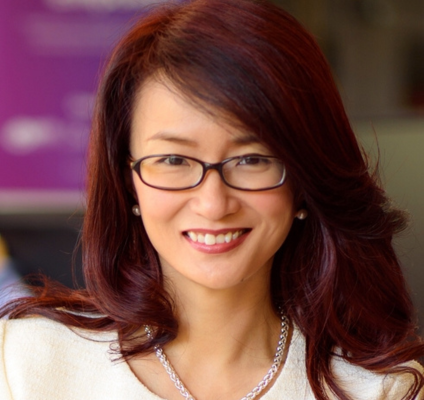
[135,166]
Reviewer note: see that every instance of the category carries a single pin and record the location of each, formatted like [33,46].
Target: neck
[226,342]
[238,321]
[233,345]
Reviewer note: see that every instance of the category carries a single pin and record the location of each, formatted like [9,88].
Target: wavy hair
[337,275]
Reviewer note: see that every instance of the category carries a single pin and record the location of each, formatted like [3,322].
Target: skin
[221,293]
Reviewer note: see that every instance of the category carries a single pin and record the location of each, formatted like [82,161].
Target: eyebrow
[244,139]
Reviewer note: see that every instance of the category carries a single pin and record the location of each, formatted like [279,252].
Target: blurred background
[51,56]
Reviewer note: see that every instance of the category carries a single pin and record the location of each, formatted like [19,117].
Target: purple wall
[51,53]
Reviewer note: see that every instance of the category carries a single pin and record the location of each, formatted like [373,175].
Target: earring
[302,214]
[136,210]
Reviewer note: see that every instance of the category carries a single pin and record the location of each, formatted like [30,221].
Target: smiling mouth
[210,239]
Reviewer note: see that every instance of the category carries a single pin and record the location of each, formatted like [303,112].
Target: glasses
[250,172]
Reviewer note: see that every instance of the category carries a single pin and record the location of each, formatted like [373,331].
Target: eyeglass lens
[251,172]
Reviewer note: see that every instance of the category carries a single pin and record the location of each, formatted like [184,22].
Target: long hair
[337,275]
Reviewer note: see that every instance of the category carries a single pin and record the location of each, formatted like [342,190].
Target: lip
[217,231]
[218,247]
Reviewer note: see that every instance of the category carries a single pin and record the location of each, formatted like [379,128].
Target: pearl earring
[136,210]
[302,214]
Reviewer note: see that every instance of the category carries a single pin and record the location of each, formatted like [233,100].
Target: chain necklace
[160,354]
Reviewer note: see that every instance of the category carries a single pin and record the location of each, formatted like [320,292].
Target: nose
[213,199]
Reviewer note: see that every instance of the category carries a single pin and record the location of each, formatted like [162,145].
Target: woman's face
[253,225]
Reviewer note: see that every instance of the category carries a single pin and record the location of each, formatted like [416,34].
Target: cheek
[277,213]
[156,206]
[278,204]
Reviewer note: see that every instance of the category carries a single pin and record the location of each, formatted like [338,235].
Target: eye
[173,160]
[254,160]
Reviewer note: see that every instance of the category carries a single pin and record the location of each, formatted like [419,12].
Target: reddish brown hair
[336,275]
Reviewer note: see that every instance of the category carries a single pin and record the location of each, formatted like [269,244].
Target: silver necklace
[160,354]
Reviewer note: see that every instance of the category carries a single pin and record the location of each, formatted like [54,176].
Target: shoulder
[46,338]
[29,346]
[359,383]
[43,359]
[364,384]
[39,344]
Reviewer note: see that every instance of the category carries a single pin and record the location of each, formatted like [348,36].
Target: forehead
[162,112]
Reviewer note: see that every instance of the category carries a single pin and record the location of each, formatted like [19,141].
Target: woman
[230,208]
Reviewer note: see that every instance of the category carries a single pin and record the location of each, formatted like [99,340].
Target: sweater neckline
[274,392]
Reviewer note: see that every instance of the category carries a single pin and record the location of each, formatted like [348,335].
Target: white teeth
[210,239]
[220,238]
[192,236]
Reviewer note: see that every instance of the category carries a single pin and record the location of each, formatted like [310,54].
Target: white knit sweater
[44,360]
